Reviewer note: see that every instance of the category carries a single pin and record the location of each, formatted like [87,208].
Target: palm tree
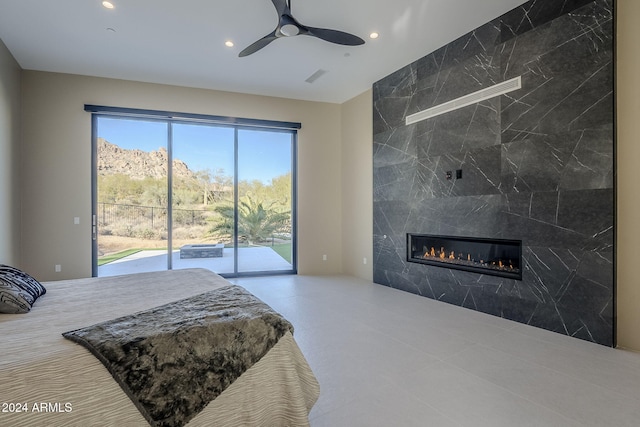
[255,222]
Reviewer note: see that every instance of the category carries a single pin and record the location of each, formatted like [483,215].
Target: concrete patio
[252,259]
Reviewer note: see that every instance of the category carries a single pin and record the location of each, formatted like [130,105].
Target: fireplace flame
[443,254]
[483,256]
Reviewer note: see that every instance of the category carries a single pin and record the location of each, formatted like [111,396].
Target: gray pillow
[18,290]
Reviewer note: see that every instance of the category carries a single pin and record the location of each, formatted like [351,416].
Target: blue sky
[263,155]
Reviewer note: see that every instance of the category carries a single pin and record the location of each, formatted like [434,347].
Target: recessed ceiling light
[108,4]
[374,35]
[228,43]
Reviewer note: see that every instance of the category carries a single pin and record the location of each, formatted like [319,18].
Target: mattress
[46,379]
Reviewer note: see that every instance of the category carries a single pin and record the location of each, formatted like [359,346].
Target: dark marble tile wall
[537,164]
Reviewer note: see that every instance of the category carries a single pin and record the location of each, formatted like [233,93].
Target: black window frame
[170,118]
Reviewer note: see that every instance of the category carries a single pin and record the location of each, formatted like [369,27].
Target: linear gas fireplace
[497,257]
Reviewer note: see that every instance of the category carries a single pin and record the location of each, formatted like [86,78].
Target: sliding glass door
[202,187]
[131,186]
[265,209]
[173,194]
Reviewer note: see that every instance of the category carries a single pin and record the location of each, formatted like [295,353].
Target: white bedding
[55,382]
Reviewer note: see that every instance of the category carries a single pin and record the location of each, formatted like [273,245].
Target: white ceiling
[182,42]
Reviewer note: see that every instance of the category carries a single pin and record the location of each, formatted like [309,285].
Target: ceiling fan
[289,27]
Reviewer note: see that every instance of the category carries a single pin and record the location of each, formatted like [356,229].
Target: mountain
[138,164]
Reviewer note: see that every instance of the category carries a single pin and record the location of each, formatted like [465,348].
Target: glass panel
[202,202]
[265,201]
[131,196]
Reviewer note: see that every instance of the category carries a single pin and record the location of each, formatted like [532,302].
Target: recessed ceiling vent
[315,76]
[472,98]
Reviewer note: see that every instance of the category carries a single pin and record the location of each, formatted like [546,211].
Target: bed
[46,379]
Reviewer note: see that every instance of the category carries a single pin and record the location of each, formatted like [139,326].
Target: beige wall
[357,186]
[628,158]
[9,158]
[56,173]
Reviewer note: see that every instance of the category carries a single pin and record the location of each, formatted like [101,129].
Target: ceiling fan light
[289,30]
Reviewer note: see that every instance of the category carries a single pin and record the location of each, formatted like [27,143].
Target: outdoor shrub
[148,234]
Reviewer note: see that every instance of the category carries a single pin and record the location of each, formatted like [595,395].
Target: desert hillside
[138,164]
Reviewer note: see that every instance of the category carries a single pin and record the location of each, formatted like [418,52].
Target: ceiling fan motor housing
[288,26]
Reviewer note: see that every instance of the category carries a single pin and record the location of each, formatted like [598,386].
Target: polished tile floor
[384,357]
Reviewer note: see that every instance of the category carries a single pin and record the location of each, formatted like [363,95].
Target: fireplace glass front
[496,257]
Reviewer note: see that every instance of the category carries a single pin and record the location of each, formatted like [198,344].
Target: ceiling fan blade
[335,36]
[281,6]
[256,46]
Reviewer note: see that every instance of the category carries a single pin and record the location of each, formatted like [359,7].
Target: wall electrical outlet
[324,257]
[364,260]
[58,268]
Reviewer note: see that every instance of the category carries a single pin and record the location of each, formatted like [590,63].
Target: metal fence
[152,217]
